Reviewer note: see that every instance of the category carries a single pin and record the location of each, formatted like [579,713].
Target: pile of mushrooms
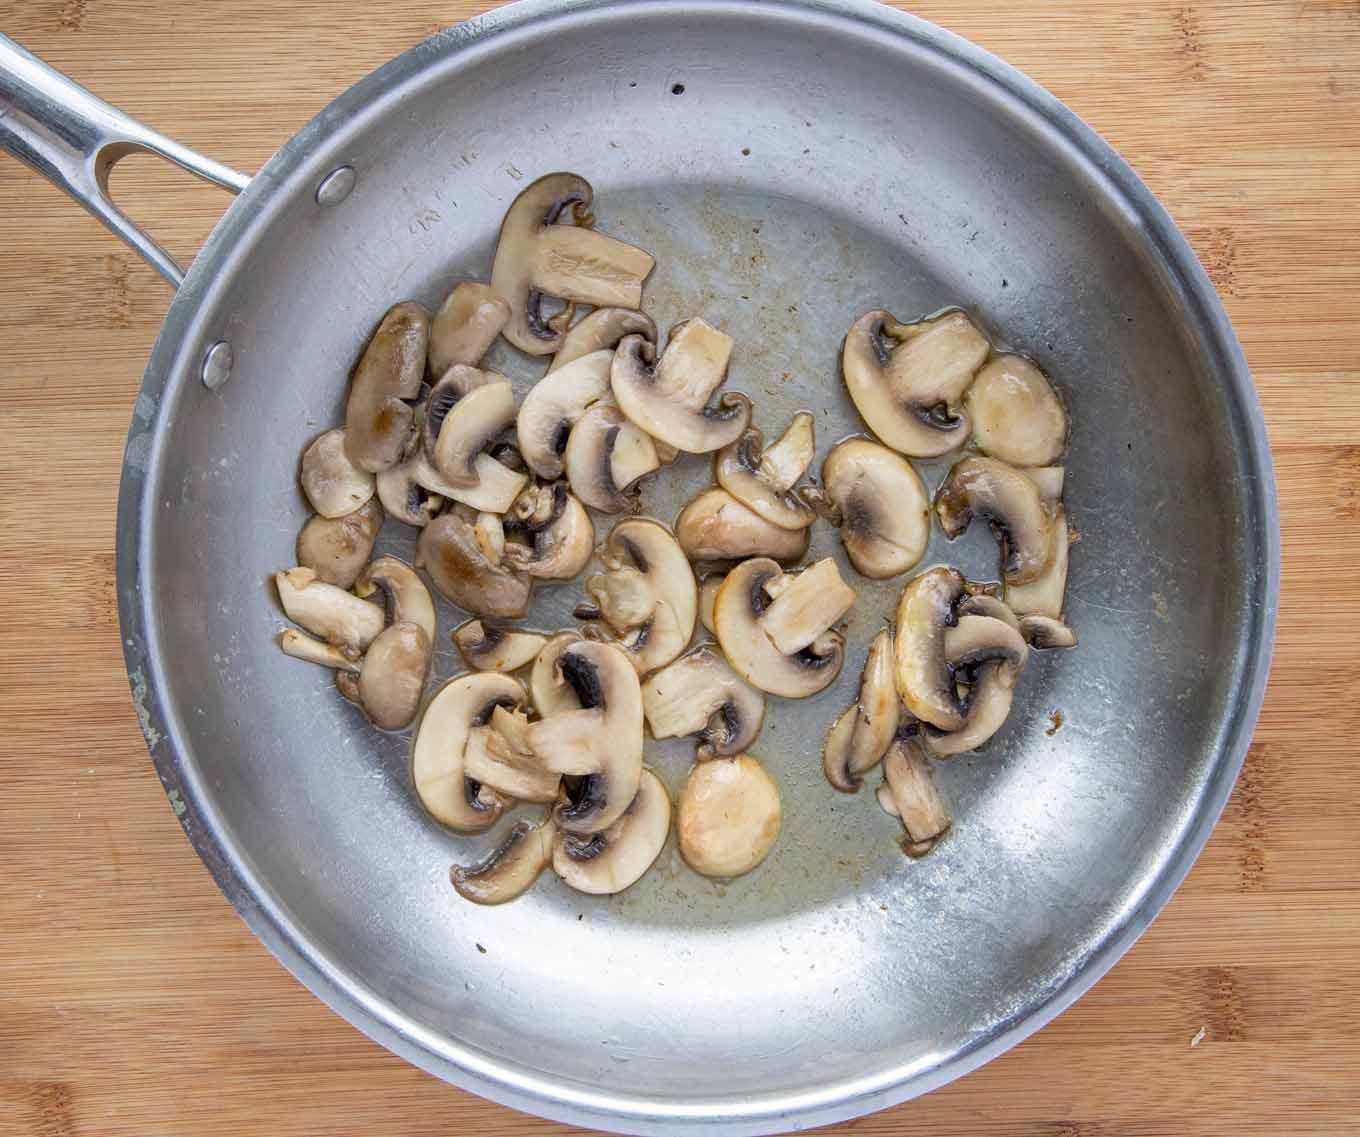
[684,633]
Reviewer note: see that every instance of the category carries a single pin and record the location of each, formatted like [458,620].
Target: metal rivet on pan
[336,186]
[217,365]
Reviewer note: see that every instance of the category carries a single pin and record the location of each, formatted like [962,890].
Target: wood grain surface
[134,1002]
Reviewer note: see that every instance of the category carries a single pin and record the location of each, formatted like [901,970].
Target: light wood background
[132,999]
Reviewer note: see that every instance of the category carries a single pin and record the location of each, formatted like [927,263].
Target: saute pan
[791,163]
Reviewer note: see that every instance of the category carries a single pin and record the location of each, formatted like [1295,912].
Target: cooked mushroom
[337,548]
[336,616]
[407,597]
[715,526]
[561,545]
[550,691]
[729,816]
[392,677]
[333,484]
[924,678]
[906,379]
[739,613]
[914,796]
[537,256]
[708,595]
[606,455]
[805,604]
[448,549]
[496,649]
[512,868]
[668,397]
[404,498]
[554,405]
[470,426]
[762,478]
[986,654]
[976,639]
[602,330]
[466,326]
[981,604]
[600,743]
[495,491]
[441,742]
[1048,480]
[1045,594]
[985,487]
[880,505]
[700,694]
[861,735]
[378,413]
[1016,413]
[1046,632]
[294,643]
[498,756]
[647,594]
[609,861]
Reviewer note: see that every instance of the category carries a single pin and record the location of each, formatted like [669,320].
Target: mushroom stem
[914,794]
[303,647]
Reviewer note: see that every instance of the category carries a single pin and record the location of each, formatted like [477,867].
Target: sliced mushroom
[738,613]
[1045,632]
[537,256]
[981,604]
[805,604]
[986,654]
[392,677]
[609,861]
[447,393]
[498,756]
[512,868]
[1016,413]
[441,743]
[860,737]
[924,678]
[495,491]
[606,455]
[337,548]
[985,487]
[496,649]
[906,379]
[378,413]
[729,816]
[295,644]
[404,498]
[600,742]
[762,478]
[550,691]
[914,796]
[448,549]
[715,526]
[469,428]
[407,597]
[602,330]
[560,546]
[1048,480]
[708,595]
[554,405]
[975,639]
[336,616]
[647,594]
[1046,594]
[333,484]
[880,505]
[700,694]
[466,326]
[668,397]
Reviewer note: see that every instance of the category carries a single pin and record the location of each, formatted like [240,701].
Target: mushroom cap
[404,497]
[1046,594]
[981,604]
[670,400]
[485,648]
[700,694]
[469,428]
[1017,416]
[708,595]
[906,379]
[924,678]
[601,742]
[336,616]
[466,326]
[862,735]
[334,485]
[605,457]
[914,796]
[762,478]
[883,505]
[550,691]
[407,597]
[1045,632]
[441,741]
[392,676]
[337,548]
[602,330]
[729,816]
[986,707]
[741,602]
[554,405]
[448,550]
[609,861]
[378,414]
[975,639]
[562,546]
[511,868]
[715,526]
[986,487]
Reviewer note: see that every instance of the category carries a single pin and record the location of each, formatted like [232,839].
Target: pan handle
[74,139]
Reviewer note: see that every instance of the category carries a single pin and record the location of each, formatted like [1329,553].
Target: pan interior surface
[790,169]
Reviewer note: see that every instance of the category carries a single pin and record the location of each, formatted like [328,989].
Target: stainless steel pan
[791,163]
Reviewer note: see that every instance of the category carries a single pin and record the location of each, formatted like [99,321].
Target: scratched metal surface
[790,167]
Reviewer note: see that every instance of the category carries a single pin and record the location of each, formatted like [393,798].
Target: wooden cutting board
[134,1002]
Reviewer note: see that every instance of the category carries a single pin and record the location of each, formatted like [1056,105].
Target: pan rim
[516,1085]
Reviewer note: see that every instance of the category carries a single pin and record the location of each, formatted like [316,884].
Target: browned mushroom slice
[914,796]
[555,405]
[880,505]
[512,868]
[1046,594]
[987,488]
[715,526]
[924,678]
[486,648]
[762,478]
[602,330]
[378,413]
[459,565]
[469,428]
[560,545]
[336,616]
[1017,416]
[498,756]
[699,694]
[986,654]
[861,735]
[605,458]
[392,676]
[337,548]
[466,326]
[609,861]
[334,485]
[1045,632]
